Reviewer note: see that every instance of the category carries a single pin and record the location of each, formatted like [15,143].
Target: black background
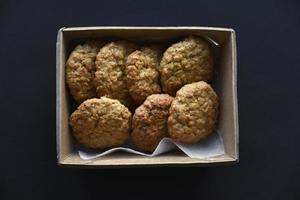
[268,84]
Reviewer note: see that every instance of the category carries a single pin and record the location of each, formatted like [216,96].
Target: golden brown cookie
[101,123]
[193,113]
[188,61]
[80,69]
[149,121]
[142,73]
[110,77]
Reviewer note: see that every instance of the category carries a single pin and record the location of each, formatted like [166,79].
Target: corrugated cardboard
[228,117]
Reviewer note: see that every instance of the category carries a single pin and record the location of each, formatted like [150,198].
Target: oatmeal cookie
[110,77]
[142,73]
[188,61]
[193,113]
[101,123]
[80,69]
[149,121]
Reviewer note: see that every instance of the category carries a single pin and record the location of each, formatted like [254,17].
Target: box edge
[225,161]
[83,28]
[235,89]
[58,53]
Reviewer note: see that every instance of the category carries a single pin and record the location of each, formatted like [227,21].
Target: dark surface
[269,98]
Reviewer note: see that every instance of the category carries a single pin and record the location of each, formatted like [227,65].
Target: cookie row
[123,71]
[188,118]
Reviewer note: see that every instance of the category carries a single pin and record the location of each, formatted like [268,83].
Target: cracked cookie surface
[110,77]
[80,69]
[142,73]
[193,113]
[101,123]
[149,122]
[188,61]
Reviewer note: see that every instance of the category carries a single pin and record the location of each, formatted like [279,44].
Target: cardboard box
[227,83]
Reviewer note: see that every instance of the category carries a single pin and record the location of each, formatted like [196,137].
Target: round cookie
[142,74]
[188,61]
[193,113]
[149,122]
[80,69]
[110,77]
[101,123]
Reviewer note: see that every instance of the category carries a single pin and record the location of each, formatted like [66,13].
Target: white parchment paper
[212,146]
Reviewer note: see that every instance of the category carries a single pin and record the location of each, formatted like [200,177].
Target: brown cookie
[101,123]
[110,77]
[142,73]
[193,113]
[149,121]
[188,61]
[80,69]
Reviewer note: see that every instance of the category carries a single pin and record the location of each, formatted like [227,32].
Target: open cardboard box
[226,82]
